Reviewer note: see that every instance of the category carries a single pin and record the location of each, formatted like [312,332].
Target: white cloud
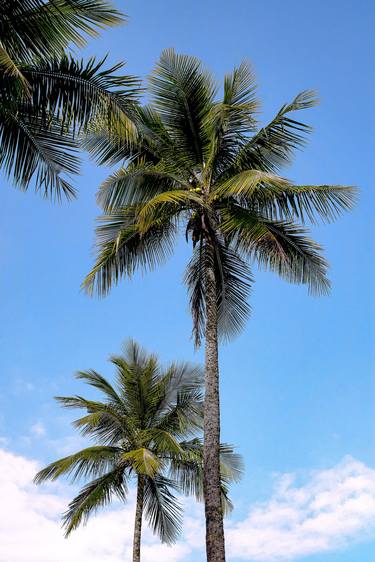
[30,528]
[332,508]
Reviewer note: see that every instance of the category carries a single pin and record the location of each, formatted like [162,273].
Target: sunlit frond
[93,461]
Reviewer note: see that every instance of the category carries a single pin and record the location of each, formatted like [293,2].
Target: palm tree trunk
[138,520]
[215,547]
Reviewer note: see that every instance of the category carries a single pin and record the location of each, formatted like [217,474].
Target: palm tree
[204,166]
[48,97]
[146,428]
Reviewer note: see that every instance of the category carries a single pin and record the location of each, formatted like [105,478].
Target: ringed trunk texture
[215,546]
[138,520]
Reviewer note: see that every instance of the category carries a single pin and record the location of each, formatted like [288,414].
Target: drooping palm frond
[282,247]
[188,469]
[93,496]
[233,283]
[123,248]
[47,98]
[105,421]
[162,509]
[32,152]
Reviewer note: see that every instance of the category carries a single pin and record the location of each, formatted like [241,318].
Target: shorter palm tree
[146,428]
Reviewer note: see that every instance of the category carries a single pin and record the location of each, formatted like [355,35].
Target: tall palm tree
[202,164]
[46,96]
[146,428]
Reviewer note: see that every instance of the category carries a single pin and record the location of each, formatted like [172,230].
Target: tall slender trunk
[215,547]
[138,520]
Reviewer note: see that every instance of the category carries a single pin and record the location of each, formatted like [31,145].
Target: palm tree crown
[46,96]
[146,427]
[204,166]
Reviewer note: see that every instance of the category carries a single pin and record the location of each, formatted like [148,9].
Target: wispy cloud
[330,509]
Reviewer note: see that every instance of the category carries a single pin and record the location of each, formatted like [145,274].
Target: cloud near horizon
[331,509]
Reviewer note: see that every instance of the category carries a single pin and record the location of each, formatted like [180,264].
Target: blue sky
[298,384]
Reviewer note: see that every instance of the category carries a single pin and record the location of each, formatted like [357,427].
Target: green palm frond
[104,421]
[79,93]
[162,509]
[36,28]
[273,146]
[246,182]
[47,97]
[282,247]
[9,67]
[123,248]
[89,462]
[93,496]
[231,463]
[229,122]
[32,152]
[187,470]
[167,203]
[182,92]
[302,202]
[233,284]
[96,380]
[180,380]
[143,461]
[132,186]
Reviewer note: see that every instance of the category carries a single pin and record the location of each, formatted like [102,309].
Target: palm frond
[95,379]
[233,282]
[231,463]
[229,122]
[104,421]
[171,202]
[132,186]
[302,202]
[92,461]
[93,496]
[9,67]
[143,461]
[162,509]
[122,248]
[35,28]
[282,247]
[182,92]
[273,146]
[246,182]
[79,93]
[32,152]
